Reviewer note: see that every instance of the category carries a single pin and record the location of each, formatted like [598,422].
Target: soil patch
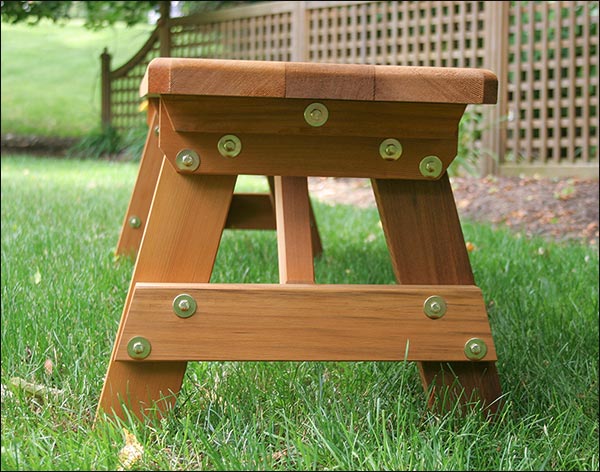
[557,209]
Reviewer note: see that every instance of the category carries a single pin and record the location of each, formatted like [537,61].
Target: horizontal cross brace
[305,322]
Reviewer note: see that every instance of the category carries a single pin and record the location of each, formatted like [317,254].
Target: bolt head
[316,114]
[475,348]
[135,221]
[390,149]
[138,348]
[187,160]
[435,307]
[184,305]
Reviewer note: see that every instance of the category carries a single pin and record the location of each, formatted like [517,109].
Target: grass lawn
[51,75]
[62,295]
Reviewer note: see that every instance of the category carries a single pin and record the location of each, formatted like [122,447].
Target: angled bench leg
[427,247]
[180,244]
[141,197]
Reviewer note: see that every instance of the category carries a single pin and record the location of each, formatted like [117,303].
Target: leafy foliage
[97,14]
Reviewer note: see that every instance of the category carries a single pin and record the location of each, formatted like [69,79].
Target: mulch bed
[557,209]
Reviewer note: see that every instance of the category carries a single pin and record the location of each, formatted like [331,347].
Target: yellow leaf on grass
[131,453]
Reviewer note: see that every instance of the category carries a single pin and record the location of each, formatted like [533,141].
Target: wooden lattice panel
[399,33]
[125,97]
[256,38]
[553,83]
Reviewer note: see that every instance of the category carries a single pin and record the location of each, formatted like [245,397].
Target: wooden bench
[218,119]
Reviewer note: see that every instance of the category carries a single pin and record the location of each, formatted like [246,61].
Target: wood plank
[215,77]
[317,245]
[286,117]
[180,243]
[294,239]
[251,211]
[176,76]
[141,197]
[305,322]
[307,155]
[435,84]
[426,245]
[329,81]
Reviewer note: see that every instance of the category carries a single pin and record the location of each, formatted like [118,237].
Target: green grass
[51,75]
[62,295]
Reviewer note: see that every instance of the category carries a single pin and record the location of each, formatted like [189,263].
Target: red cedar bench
[218,119]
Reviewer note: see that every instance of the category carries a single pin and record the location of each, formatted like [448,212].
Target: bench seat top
[221,77]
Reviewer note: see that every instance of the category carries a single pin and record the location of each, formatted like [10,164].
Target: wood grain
[294,238]
[435,84]
[322,156]
[180,244]
[143,190]
[426,244]
[329,81]
[317,245]
[175,76]
[214,77]
[305,322]
[286,117]
[251,211]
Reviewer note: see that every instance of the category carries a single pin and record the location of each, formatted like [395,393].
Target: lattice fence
[544,53]
[125,86]
[552,79]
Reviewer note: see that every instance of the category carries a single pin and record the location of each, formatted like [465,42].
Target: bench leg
[317,246]
[426,244]
[141,197]
[180,244]
[294,231]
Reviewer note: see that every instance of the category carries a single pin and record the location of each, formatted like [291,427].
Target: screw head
[434,307]
[431,167]
[390,149]
[475,349]
[229,145]
[139,347]
[135,221]
[187,160]
[184,305]
[316,114]
[156,130]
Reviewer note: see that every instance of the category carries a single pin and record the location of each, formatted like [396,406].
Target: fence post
[300,32]
[496,59]
[164,29]
[105,89]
